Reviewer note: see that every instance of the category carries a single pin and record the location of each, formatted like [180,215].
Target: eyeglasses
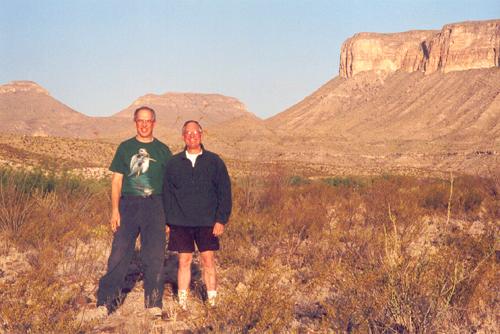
[192,133]
[144,121]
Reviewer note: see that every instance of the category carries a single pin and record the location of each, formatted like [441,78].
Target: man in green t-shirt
[137,208]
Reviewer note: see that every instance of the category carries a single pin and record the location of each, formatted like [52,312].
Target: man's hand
[115,220]
[167,230]
[218,229]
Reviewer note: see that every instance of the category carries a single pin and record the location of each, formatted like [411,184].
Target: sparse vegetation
[371,254]
[48,222]
[359,255]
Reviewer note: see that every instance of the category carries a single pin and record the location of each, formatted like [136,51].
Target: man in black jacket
[197,201]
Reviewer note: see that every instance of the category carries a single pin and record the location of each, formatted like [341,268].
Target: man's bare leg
[184,277]
[209,275]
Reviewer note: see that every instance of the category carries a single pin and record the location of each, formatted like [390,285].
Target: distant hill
[246,137]
[27,108]
[175,108]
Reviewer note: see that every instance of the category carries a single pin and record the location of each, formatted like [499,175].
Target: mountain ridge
[28,108]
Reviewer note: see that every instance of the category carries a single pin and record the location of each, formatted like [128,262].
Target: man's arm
[224,202]
[116,190]
[167,191]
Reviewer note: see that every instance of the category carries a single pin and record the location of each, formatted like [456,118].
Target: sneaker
[183,303]
[155,312]
[99,313]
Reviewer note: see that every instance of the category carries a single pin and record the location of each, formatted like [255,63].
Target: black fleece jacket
[199,195]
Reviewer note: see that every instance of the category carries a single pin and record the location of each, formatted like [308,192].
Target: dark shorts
[182,239]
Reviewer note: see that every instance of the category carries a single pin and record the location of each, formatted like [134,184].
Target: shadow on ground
[135,274]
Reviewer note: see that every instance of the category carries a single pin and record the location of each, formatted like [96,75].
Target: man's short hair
[151,110]
[191,121]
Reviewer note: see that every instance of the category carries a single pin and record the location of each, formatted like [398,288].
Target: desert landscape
[371,206]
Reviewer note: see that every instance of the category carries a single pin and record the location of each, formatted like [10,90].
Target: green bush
[341,181]
[297,180]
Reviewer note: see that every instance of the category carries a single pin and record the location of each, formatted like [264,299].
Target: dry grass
[64,214]
[365,254]
[362,255]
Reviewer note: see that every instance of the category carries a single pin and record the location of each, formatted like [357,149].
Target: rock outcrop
[457,47]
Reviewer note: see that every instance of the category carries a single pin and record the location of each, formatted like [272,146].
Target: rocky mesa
[426,99]
[456,47]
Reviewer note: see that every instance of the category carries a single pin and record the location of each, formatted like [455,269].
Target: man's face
[144,124]
[192,136]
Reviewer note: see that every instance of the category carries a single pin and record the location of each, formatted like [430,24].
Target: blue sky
[98,56]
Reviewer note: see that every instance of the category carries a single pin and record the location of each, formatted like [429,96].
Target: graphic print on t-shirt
[139,165]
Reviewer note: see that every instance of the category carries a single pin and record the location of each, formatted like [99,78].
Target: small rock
[241,287]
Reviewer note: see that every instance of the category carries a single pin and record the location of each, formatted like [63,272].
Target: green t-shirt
[142,166]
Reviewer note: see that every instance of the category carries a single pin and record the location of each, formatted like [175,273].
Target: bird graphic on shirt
[139,163]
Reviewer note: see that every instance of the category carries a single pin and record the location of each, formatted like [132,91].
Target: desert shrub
[296,180]
[376,198]
[47,208]
[362,257]
[248,195]
[16,206]
[39,303]
[435,196]
[65,214]
[378,286]
[260,303]
[241,244]
[471,201]
[28,181]
[470,194]
[338,181]
[21,191]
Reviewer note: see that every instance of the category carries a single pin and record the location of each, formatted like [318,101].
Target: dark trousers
[144,216]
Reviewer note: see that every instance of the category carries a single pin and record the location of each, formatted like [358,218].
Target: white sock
[211,294]
[183,294]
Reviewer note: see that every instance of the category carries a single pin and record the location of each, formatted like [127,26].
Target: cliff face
[383,52]
[464,46]
[457,47]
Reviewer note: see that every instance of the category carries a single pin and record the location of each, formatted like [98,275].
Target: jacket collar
[185,149]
